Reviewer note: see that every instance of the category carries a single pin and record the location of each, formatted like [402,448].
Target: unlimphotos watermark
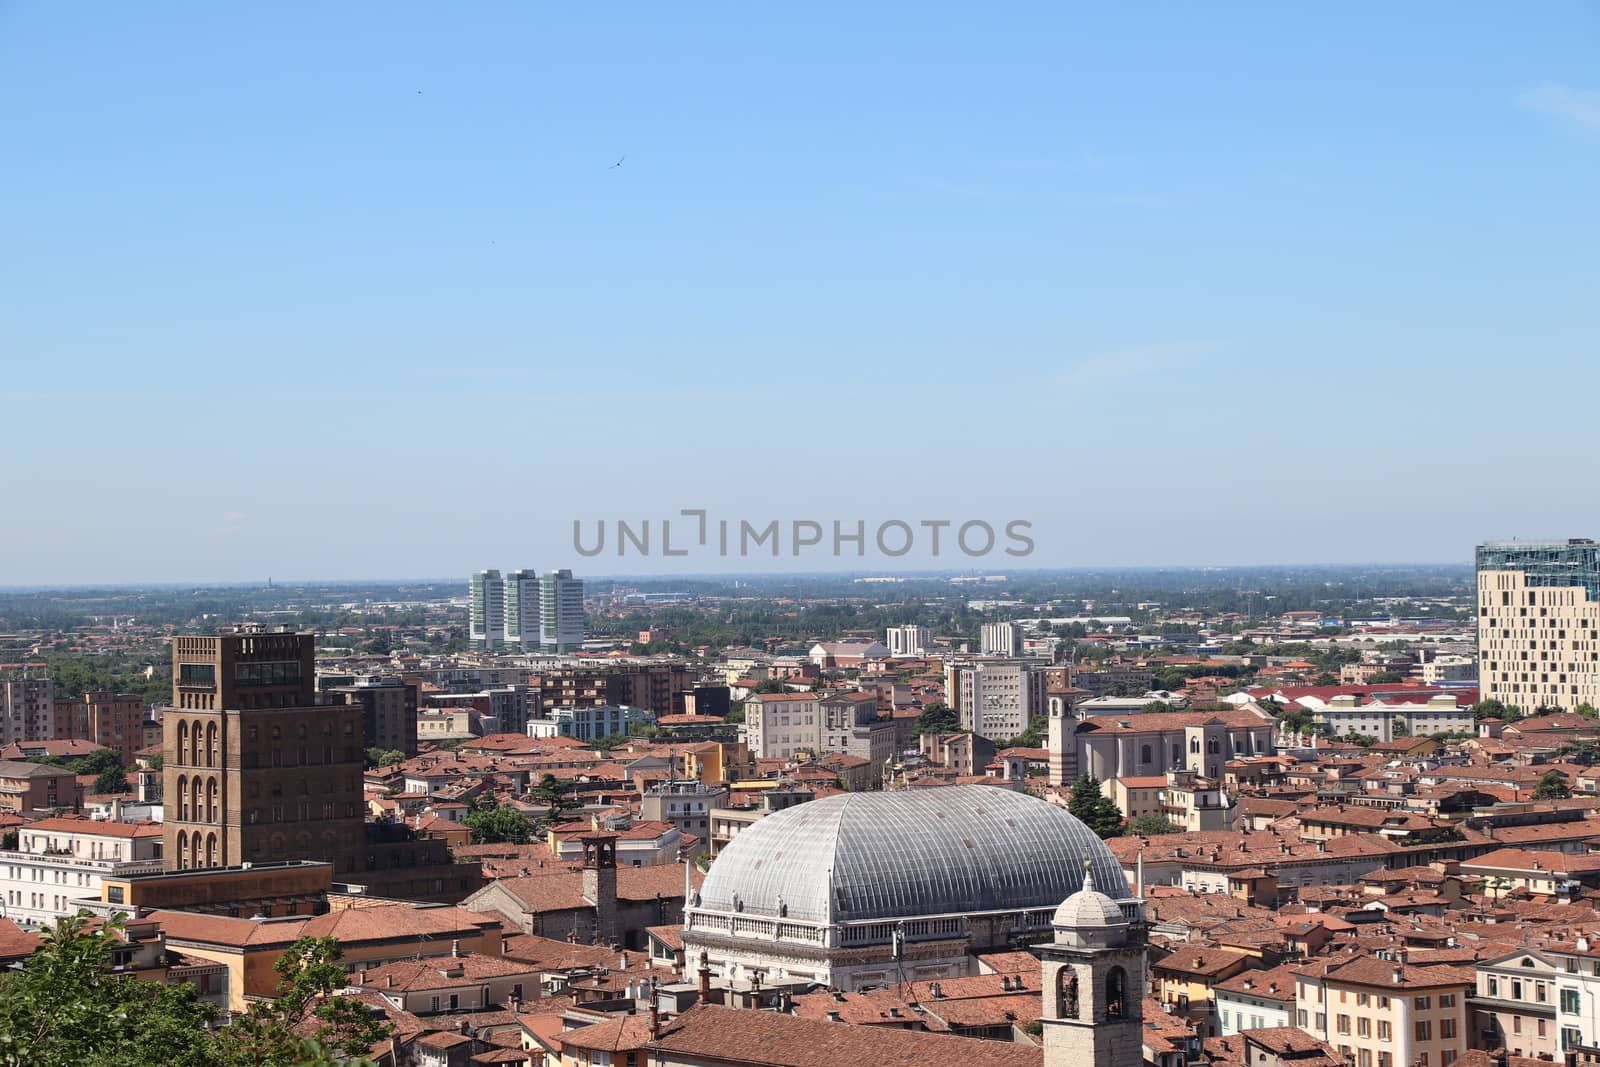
[696,533]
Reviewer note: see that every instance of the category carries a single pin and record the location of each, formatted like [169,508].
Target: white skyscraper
[909,640]
[522,610]
[1000,639]
[560,612]
[486,623]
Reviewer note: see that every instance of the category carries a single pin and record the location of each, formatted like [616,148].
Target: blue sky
[354,291]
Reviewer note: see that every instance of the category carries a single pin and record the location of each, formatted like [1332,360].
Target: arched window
[211,850]
[194,851]
[1144,754]
[1116,993]
[1211,745]
[196,812]
[183,744]
[211,801]
[1194,745]
[183,801]
[194,744]
[211,744]
[183,849]
[1066,993]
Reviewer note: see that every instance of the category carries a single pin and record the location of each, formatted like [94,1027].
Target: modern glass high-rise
[522,610]
[1539,623]
[486,621]
[561,612]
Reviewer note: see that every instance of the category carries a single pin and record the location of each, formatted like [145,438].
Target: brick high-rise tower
[254,771]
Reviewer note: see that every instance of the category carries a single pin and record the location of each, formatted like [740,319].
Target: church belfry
[1093,983]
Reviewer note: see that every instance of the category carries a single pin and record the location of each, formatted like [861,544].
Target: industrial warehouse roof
[862,856]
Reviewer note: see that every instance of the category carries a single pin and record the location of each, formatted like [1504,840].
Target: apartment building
[60,861]
[560,612]
[1539,622]
[588,723]
[1384,1013]
[523,624]
[777,725]
[27,787]
[909,640]
[686,804]
[27,709]
[1387,720]
[995,698]
[486,614]
[1514,1004]
[849,724]
[1577,991]
[388,712]
[1000,639]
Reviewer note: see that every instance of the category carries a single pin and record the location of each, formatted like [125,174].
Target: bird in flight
[617,164]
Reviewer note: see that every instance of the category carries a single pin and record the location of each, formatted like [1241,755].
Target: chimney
[655,1012]
[455,948]
[833,1017]
[705,978]
[388,981]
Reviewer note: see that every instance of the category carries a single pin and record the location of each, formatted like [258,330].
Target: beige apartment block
[1538,646]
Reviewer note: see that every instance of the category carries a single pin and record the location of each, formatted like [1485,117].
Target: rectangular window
[1425,1029]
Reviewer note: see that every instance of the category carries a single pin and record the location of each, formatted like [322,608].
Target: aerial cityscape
[799,536]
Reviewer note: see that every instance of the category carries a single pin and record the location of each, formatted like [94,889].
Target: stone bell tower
[1093,984]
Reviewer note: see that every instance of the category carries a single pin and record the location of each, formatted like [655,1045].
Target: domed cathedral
[1094,982]
[872,889]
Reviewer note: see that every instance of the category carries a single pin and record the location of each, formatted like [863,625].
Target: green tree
[390,756]
[97,762]
[1325,679]
[1494,709]
[1385,678]
[1586,710]
[936,718]
[65,1007]
[556,795]
[112,781]
[272,1033]
[1155,706]
[1094,809]
[1151,823]
[1552,786]
[493,824]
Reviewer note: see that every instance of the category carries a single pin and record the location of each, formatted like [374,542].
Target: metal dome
[862,856]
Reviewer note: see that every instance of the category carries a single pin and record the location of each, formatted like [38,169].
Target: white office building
[561,612]
[1000,639]
[522,610]
[486,620]
[909,640]
[995,698]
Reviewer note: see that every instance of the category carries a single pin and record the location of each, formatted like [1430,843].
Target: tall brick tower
[253,770]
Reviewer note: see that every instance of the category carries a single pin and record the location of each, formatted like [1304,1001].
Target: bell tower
[1093,983]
